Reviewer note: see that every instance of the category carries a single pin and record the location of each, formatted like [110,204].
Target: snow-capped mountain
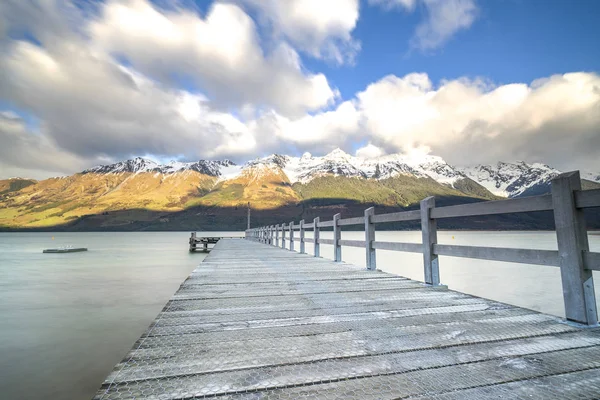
[503,179]
[338,163]
[139,164]
[512,179]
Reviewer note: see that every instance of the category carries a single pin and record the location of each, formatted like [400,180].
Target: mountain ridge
[141,191]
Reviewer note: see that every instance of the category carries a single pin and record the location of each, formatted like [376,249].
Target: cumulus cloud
[107,88]
[26,154]
[443,19]
[221,53]
[322,29]
[472,121]
[369,151]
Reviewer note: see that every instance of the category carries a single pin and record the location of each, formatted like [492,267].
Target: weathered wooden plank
[431,266]
[399,246]
[525,204]
[526,256]
[351,221]
[591,260]
[316,234]
[352,243]
[302,240]
[397,216]
[254,321]
[571,235]
[371,260]
[337,237]
[587,198]
[325,224]
[325,241]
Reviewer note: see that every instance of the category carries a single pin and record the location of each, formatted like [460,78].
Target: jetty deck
[255,321]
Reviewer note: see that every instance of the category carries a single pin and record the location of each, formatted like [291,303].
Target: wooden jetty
[258,321]
[204,241]
[65,250]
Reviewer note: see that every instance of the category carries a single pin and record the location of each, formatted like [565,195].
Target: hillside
[142,194]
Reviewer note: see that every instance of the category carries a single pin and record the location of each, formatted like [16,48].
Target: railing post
[270,228]
[277,235]
[369,239]
[283,236]
[292,236]
[572,239]
[337,236]
[429,234]
[317,247]
[302,237]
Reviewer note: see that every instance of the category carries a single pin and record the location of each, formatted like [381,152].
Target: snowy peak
[339,163]
[135,165]
[502,179]
[511,179]
[139,164]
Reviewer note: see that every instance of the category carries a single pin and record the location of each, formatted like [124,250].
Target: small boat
[66,249]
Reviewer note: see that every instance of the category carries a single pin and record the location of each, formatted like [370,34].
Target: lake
[67,319]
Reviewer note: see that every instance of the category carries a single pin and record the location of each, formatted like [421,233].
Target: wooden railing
[566,200]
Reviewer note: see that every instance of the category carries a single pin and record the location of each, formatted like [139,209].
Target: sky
[85,82]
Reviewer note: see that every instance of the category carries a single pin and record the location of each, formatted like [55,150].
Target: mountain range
[143,194]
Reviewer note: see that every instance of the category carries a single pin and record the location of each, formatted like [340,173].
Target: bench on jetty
[257,321]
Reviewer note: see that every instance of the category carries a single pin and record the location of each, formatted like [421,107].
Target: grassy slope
[397,191]
[263,188]
[14,185]
[59,200]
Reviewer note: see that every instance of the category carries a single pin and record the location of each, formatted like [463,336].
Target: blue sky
[474,81]
[511,41]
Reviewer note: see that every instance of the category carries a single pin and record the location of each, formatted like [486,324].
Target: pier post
[292,236]
[302,237]
[429,235]
[277,235]
[337,236]
[572,239]
[283,236]
[317,247]
[193,242]
[369,239]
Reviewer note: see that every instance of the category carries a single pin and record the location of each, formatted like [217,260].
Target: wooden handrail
[566,201]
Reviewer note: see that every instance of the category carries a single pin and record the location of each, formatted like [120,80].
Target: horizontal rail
[352,221]
[591,260]
[587,198]
[326,241]
[397,216]
[353,243]
[525,204]
[397,246]
[525,256]
[309,226]
[325,224]
[309,240]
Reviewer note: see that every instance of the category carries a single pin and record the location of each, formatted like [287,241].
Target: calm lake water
[67,319]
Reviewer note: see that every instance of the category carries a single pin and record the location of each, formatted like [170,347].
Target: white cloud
[92,108]
[221,53]
[390,4]
[31,155]
[553,120]
[369,151]
[320,28]
[443,19]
